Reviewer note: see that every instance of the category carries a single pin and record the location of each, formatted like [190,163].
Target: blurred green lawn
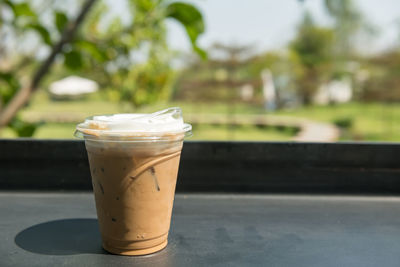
[200,132]
[42,107]
[369,121]
[362,121]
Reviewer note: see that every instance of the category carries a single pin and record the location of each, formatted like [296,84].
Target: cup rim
[126,136]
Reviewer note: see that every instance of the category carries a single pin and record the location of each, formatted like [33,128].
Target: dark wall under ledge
[233,167]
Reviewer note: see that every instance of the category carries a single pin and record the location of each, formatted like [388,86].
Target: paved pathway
[312,131]
[309,130]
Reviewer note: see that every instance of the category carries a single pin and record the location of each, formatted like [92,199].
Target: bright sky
[270,24]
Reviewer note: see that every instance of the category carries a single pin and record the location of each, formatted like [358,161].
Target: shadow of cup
[82,236]
[62,237]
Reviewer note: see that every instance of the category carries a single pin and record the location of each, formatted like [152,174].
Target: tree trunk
[24,94]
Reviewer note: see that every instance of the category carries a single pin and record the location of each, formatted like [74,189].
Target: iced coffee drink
[134,160]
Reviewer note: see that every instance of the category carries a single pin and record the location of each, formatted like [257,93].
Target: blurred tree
[350,26]
[313,49]
[21,18]
[144,76]
[220,77]
[104,52]
[384,78]
[352,31]
[348,22]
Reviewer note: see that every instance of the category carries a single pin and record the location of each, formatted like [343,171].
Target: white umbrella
[73,86]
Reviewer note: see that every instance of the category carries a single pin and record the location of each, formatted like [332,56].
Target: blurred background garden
[310,70]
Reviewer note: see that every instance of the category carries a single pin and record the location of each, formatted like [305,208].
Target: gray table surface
[60,229]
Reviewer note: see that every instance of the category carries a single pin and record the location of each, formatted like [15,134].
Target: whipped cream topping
[165,121]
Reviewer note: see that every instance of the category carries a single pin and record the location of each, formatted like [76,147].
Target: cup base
[135,252]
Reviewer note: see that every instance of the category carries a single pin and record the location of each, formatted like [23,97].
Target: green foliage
[344,122]
[23,128]
[105,52]
[313,44]
[110,57]
[20,9]
[9,85]
[349,23]
[384,81]
[147,83]
[25,19]
[312,48]
[42,31]
[92,50]
[73,60]
[342,9]
[191,18]
[61,20]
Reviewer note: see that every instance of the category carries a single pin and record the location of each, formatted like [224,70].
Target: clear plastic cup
[134,176]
